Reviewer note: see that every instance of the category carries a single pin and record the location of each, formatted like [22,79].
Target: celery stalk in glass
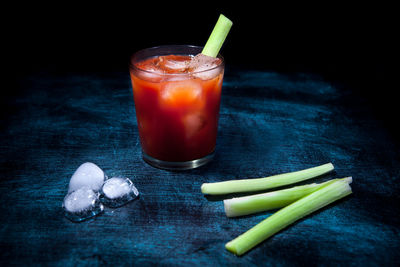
[217,36]
[288,215]
[272,200]
[257,184]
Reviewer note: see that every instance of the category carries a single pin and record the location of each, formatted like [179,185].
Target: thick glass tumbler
[177,104]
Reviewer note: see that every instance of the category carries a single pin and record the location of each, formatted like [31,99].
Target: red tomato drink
[177,105]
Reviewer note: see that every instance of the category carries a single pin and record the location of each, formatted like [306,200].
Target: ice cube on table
[118,191]
[204,67]
[82,204]
[89,175]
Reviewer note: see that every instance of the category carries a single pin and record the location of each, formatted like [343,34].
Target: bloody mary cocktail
[177,98]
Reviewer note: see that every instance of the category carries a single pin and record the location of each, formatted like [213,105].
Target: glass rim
[134,55]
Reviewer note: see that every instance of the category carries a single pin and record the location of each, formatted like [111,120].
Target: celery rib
[272,200]
[217,36]
[288,215]
[256,184]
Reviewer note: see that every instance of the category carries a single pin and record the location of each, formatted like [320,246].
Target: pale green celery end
[246,185]
[230,247]
[288,215]
[298,176]
[204,188]
[217,37]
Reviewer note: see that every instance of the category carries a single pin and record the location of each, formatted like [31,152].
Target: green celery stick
[256,184]
[272,200]
[217,37]
[288,215]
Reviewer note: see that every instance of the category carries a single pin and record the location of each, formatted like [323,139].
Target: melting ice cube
[173,64]
[178,93]
[151,73]
[89,175]
[82,204]
[205,67]
[193,123]
[118,191]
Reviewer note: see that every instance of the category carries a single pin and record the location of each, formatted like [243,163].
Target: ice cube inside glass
[177,97]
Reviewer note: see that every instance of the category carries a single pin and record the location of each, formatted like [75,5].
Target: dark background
[350,45]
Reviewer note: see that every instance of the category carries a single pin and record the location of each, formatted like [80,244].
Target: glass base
[181,165]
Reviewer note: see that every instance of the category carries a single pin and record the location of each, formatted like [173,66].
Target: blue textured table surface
[270,123]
